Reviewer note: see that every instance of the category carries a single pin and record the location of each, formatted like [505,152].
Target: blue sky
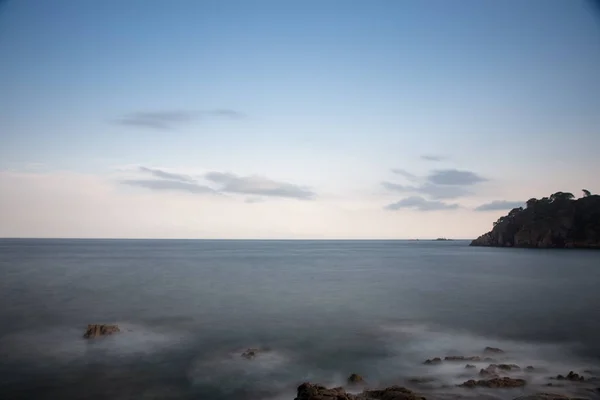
[279,100]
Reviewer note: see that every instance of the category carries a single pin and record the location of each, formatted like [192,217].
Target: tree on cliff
[586,193]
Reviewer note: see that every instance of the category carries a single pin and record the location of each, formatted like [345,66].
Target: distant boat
[443,239]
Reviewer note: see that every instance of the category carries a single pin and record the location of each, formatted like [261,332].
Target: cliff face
[557,221]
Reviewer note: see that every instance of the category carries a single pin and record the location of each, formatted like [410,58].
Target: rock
[96,330]
[571,376]
[494,383]
[308,391]
[355,378]
[529,368]
[493,350]
[421,381]
[543,396]
[391,393]
[250,353]
[462,358]
[508,367]
[436,360]
[470,366]
[490,371]
[489,359]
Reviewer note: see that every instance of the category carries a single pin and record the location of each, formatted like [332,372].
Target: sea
[317,311]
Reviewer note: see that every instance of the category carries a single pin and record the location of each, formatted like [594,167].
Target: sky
[292,120]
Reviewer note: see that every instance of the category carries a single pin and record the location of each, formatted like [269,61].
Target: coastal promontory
[558,221]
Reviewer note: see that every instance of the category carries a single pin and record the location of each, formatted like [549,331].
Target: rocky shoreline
[505,377]
[500,375]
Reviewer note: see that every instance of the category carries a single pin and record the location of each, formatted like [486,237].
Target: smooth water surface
[323,309]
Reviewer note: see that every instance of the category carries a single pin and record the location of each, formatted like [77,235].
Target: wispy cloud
[169,185]
[454,177]
[160,120]
[260,186]
[500,205]
[408,175]
[434,191]
[420,204]
[433,157]
[169,119]
[159,173]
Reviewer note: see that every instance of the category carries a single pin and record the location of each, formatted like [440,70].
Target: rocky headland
[558,221]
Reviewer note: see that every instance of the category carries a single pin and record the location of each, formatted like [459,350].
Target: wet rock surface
[497,381]
[308,391]
[98,330]
[571,376]
[505,382]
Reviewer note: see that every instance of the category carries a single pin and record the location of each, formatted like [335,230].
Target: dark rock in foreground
[308,391]
[391,393]
[96,330]
[505,382]
[557,221]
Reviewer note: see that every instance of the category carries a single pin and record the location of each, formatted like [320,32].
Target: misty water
[321,309]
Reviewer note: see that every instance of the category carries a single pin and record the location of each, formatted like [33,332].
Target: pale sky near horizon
[282,120]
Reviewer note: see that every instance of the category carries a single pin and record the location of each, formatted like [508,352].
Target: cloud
[433,157]
[500,205]
[420,204]
[259,186]
[160,120]
[169,185]
[405,173]
[454,177]
[159,173]
[434,191]
[164,120]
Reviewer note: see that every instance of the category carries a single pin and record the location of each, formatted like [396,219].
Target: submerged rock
[436,360]
[96,330]
[505,382]
[470,366]
[492,350]
[529,368]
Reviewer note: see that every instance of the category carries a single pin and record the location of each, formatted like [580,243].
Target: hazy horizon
[275,120]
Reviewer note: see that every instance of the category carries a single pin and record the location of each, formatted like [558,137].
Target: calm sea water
[324,309]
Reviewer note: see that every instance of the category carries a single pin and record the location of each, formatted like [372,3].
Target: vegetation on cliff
[559,221]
